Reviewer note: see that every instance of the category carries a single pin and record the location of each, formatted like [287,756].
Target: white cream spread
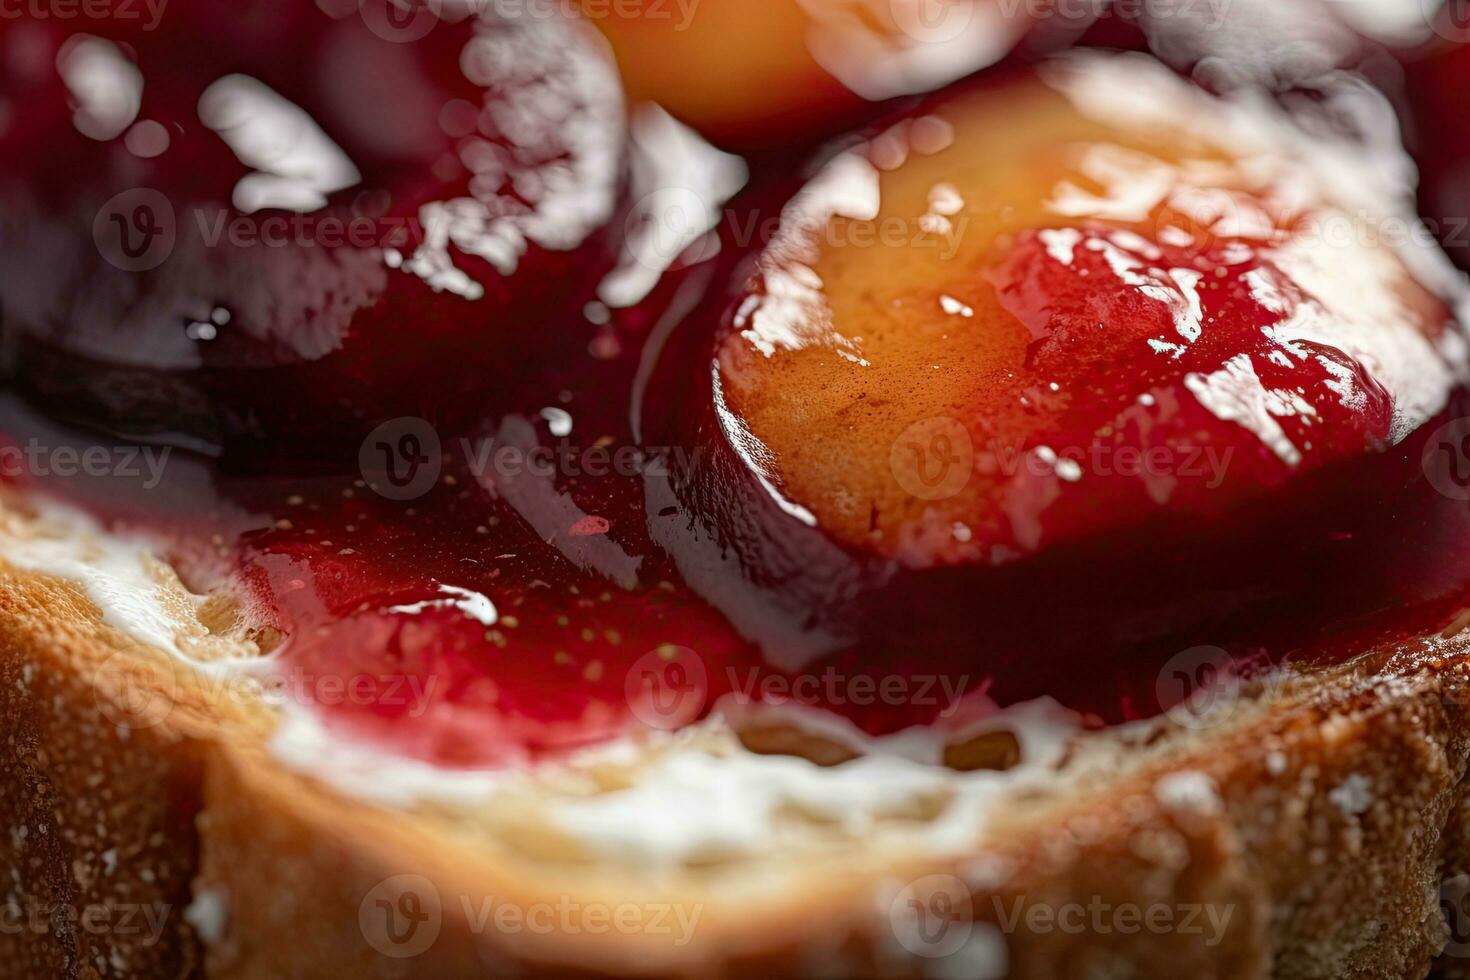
[697,794]
[690,805]
[137,593]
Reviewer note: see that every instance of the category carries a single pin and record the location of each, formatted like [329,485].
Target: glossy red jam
[531,523]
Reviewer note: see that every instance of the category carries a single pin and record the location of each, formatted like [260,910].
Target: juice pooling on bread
[1066,368]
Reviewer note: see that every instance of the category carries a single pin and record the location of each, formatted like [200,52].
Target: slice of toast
[162,822]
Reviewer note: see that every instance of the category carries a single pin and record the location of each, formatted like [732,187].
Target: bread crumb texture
[1319,828]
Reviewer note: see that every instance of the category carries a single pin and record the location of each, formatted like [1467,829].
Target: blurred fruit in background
[748,73]
[705,64]
[1437,130]
[1395,22]
[265,233]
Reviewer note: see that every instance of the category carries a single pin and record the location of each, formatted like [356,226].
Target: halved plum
[268,238]
[1062,366]
[756,73]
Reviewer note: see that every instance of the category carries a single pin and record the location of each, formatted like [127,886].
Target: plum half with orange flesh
[752,74]
[1066,364]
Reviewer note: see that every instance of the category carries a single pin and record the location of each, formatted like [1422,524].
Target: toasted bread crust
[1319,823]
[99,816]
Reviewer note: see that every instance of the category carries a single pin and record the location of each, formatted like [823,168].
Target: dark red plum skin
[323,339]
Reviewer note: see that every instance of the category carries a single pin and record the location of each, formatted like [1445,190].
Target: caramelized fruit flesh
[810,66]
[703,65]
[996,345]
[1065,372]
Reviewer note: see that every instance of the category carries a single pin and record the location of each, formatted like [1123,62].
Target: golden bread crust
[1319,822]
